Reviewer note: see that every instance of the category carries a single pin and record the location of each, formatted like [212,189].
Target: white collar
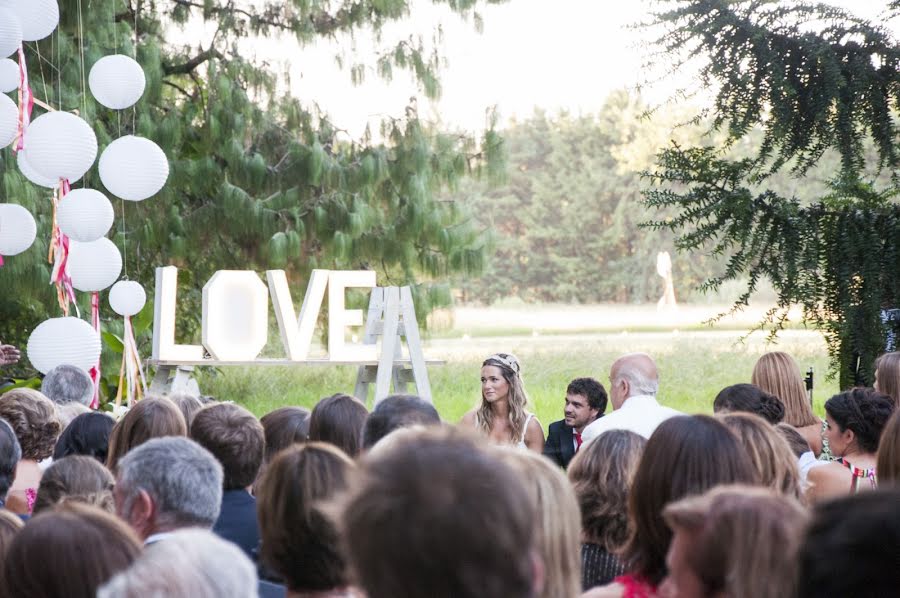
[638,401]
[153,538]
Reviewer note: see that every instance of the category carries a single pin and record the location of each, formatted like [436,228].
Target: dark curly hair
[748,398]
[863,410]
[601,474]
[34,419]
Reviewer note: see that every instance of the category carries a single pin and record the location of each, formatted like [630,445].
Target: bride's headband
[507,359]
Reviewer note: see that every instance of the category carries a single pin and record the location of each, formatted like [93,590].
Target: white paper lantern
[9,75]
[17,229]
[61,146]
[117,81]
[63,341]
[85,215]
[94,266]
[31,174]
[9,120]
[127,297]
[10,32]
[133,168]
[38,17]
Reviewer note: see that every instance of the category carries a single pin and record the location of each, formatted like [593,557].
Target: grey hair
[68,384]
[183,479]
[10,454]
[638,383]
[189,563]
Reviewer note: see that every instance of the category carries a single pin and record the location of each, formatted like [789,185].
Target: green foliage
[258,180]
[812,78]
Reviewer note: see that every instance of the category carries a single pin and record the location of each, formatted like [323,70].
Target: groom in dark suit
[585,402]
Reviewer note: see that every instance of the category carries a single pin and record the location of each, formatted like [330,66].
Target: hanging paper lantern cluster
[117,81]
[85,215]
[37,18]
[9,120]
[61,341]
[9,75]
[17,229]
[61,146]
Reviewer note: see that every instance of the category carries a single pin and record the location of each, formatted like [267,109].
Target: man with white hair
[66,384]
[634,382]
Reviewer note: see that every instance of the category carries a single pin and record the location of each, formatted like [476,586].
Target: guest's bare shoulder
[468,420]
[613,590]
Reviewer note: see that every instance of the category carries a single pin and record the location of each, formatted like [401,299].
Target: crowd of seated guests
[186,498]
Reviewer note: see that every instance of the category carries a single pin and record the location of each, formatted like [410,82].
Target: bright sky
[549,54]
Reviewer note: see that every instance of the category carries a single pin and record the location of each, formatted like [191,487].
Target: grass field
[694,363]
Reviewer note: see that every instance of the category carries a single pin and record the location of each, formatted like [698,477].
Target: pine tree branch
[193,63]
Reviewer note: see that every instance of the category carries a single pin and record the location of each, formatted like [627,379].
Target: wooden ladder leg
[388,343]
[414,342]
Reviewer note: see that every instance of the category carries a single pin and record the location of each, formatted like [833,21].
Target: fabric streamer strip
[131,375]
[95,371]
[26,102]
[58,255]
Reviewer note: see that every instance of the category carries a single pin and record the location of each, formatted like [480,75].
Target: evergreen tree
[813,79]
[258,180]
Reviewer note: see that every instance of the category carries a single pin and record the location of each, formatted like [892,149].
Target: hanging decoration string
[95,371]
[132,382]
[26,102]
[58,255]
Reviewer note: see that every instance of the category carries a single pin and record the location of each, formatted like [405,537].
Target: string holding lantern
[9,75]
[63,341]
[117,81]
[17,230]
[133,168]
[93,267]
[127,298]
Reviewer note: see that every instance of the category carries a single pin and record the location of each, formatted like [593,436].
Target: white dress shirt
[640,414]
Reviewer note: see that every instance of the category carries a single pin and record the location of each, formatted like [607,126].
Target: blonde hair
[517,399]
[747,539]
[888,466]
[558,521]
[778,374]
[771,455]
[75,478]
[888,369]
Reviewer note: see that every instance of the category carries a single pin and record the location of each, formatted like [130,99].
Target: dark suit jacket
[560,444]
[237,521]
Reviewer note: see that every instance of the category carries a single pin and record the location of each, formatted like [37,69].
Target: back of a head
[749,399]
[10,525]
[75,479]
[795,439]
[70,551]
[863,410]
[33,418]
[298,541]
[397,411]
[68,384]
[888,465]
[339,420]
[284,427]
[67,412]
[149,418]
[10,454]
[641,372]
[558,519]
[440,517]
[685,456]
[778,374]
[745,540]
[887,374]
[601,474]
[187,564]
[852,547]
[88,435]
[772,457]
[182,477]
[235,437]
[189,405]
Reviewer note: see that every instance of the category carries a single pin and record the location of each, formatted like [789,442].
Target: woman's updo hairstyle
[863,410]
[747,398]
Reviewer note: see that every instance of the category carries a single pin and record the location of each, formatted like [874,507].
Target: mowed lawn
[694,366]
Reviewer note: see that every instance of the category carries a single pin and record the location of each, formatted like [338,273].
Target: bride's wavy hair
[517,397]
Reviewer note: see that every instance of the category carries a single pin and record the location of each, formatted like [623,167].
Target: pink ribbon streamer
[95,371]
[134,381]
[26,102]
[59,256]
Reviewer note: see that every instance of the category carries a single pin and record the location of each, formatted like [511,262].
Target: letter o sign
[235,315]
